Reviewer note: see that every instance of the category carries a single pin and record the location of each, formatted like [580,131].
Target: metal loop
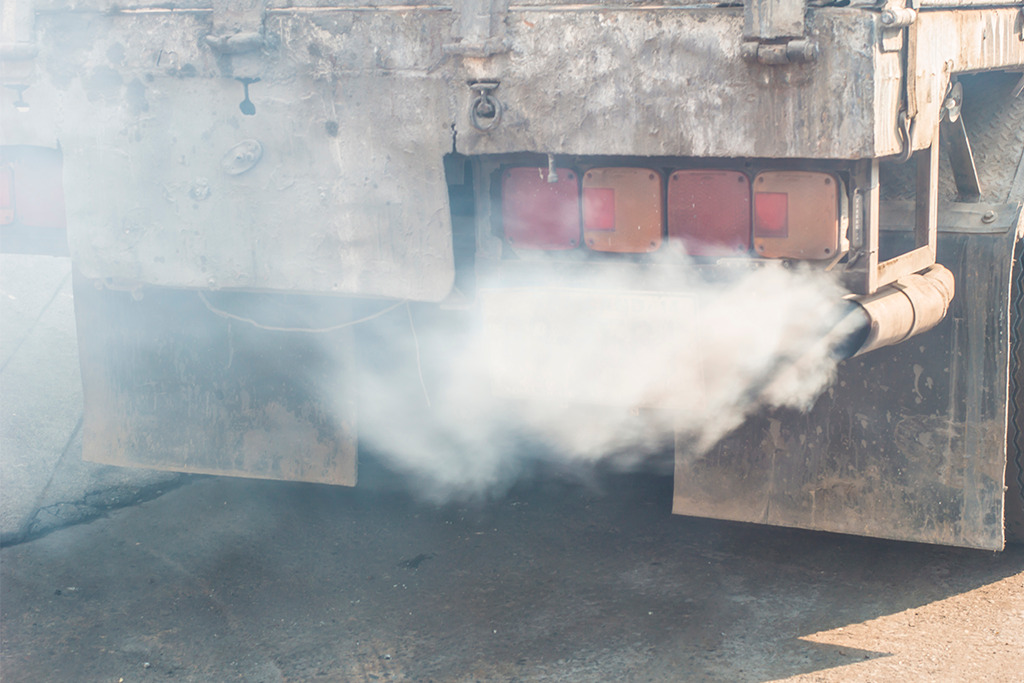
[906,129]
[485,112]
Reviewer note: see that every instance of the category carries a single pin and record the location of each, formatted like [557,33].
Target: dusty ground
[558,581]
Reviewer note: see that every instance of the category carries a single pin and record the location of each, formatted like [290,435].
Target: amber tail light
[799,215]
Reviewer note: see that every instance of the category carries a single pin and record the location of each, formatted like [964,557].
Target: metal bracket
[777,54]
[481,29]
[894,18]
[864,273]
[237,26]
[961,159]
[774,33]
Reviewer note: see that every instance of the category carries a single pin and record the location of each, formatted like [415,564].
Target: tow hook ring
[485,111]
[906,129]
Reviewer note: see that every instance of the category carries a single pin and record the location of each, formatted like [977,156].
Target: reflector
[599,208]
[709,211]
[798,214]
[537,214]
[622,209]
[771,214]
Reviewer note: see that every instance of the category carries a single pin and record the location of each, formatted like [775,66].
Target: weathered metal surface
[171,383]
[956,42]
[772,19]
[910,306]
[356,104]
[956,217]
[346,196]
[909,443]
[673,82]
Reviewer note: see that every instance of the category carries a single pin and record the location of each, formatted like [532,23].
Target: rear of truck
[253,192]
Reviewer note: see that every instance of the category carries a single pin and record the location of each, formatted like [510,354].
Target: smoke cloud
[608,367]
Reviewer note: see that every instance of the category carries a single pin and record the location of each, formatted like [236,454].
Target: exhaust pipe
[913,304]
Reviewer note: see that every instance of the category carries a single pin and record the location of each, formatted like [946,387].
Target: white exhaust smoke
[609,367]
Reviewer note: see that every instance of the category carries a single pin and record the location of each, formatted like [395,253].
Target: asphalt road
[570,576]
[562,579]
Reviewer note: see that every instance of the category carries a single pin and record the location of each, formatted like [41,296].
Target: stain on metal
[874,456]
[169,385]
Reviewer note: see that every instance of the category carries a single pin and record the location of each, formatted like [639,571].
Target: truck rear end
[779,236]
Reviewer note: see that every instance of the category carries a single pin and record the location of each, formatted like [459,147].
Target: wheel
[1014,504]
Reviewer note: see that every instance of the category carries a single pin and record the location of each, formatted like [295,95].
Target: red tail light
[599,208]
[771,214]
[622,209]
[709,211]
[537,214]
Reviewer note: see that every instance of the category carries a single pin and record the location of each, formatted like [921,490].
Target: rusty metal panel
[664,81]
[951,42]
[770,19]
[965,4]
[908,443]
[313,164]
[176,381]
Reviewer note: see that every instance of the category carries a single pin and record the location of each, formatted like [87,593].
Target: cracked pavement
[45,485]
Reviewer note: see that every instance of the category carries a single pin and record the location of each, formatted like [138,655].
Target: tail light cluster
[779,214]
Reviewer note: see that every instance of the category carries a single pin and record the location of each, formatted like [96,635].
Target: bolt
[988,216]
[888,17]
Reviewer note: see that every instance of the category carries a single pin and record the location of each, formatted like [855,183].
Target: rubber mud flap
[908,443]
[216,383]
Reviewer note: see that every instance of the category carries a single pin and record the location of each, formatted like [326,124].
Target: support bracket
[774,33]
[864,273]
[961,158]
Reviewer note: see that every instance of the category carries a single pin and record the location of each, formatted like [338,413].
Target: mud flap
[909,442]
[232,384]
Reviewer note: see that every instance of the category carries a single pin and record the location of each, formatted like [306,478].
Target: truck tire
[995,123]
[1014,504]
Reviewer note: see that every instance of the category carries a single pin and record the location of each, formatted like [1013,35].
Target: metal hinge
[774,33]
[894,17]
[237,26]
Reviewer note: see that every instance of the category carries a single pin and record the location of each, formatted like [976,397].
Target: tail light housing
[709,211]
[31,188]
[799,215]
[622,209]
[540,214]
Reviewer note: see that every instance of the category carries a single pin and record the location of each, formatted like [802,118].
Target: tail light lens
[622,209]
[709,211]
[798,214]
[537,214]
